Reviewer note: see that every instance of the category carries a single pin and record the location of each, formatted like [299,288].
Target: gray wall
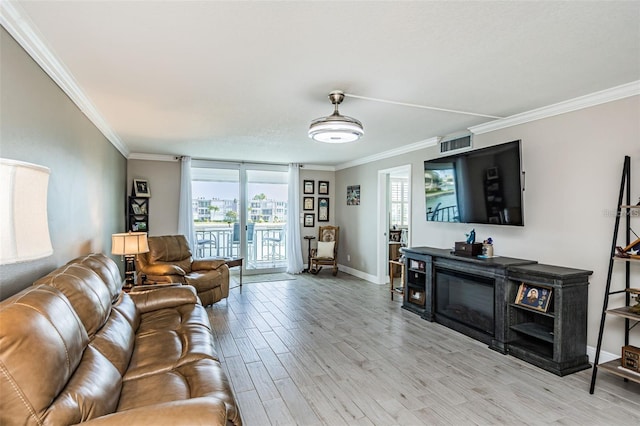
[573,164]
[40,124]
[164,184]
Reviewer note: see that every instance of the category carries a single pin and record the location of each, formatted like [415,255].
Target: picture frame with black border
[141,188]
[492,173]
[309,220]
[308,186]
[323,187]
[534,297]
[323,209]
[308,203]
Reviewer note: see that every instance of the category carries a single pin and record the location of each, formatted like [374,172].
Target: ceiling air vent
[457,144]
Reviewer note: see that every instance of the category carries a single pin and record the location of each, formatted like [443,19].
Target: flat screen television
[479,186]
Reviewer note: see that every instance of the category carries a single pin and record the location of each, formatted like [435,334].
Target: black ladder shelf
[627,210]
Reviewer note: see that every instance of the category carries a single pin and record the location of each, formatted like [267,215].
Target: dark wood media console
[477,297]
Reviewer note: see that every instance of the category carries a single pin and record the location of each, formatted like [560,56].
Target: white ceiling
[241,80]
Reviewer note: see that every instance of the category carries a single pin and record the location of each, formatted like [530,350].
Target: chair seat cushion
[204,280]
[325,249]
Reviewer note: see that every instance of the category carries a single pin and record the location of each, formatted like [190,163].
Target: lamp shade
[129,243]
[24,228]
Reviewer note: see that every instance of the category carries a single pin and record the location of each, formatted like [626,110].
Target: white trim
[319,167]
[152,157]
[593,99]
[391,153]
[359,274]
[16,22]
[604,356]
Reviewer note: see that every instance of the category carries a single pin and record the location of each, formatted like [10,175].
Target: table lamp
[129,245]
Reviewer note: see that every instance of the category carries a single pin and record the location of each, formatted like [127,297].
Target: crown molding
[318,167]
[586,101]
[390,153]
[16,22]
[152,157]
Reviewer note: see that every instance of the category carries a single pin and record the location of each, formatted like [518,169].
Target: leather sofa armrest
[207,264]
[145,287]
[195,411]
[163,269]
[163,297]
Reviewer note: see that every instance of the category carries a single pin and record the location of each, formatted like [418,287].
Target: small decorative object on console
[466,249]
[631,358]
[471,237]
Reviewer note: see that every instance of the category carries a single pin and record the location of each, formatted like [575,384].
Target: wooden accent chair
[327,251]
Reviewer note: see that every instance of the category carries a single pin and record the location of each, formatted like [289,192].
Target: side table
[233,262]
[308,238]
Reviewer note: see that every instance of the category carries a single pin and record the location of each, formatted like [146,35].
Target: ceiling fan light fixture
[336,128]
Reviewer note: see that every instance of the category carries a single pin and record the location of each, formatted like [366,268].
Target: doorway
[394,216]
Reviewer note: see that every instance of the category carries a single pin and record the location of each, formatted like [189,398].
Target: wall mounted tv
[479,186]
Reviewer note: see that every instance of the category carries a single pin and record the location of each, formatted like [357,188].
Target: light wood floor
[325,350]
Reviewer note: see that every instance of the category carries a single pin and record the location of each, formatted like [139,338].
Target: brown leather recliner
[169,261]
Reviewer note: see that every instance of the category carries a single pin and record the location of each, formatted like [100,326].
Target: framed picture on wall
[323,188]
[308,203]
[353,195]
[323,210]
[309,220]
[141,188]
[308,187]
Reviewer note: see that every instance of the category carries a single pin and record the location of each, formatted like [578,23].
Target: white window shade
[24,228]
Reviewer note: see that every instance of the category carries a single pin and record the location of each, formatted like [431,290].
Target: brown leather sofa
[75,348]
[169,261]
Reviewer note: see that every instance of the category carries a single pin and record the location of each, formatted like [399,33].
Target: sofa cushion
[171,337]
[88,294]
[115,341]
[202,378]
[38,327]
[106,268]
[93,391]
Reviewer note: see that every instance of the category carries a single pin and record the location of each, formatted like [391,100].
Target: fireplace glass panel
[466,299]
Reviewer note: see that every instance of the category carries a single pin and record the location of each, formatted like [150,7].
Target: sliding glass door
[240,210]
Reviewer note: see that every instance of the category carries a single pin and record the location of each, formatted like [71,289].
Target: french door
[240,210]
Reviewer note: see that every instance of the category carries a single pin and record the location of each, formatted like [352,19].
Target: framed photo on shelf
[323,209]
[139,226]
[308,187]
[534,297]
[492,173]
[308,203]
[323,187]
[309,220]
[141,188]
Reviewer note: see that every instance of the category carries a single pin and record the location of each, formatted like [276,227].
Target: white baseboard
[604,356]
[359,274]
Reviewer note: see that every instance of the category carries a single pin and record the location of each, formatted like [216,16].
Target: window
[399,202]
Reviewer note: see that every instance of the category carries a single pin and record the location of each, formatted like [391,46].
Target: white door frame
[382,241]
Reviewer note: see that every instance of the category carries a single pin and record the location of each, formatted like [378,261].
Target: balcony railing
[266,244]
